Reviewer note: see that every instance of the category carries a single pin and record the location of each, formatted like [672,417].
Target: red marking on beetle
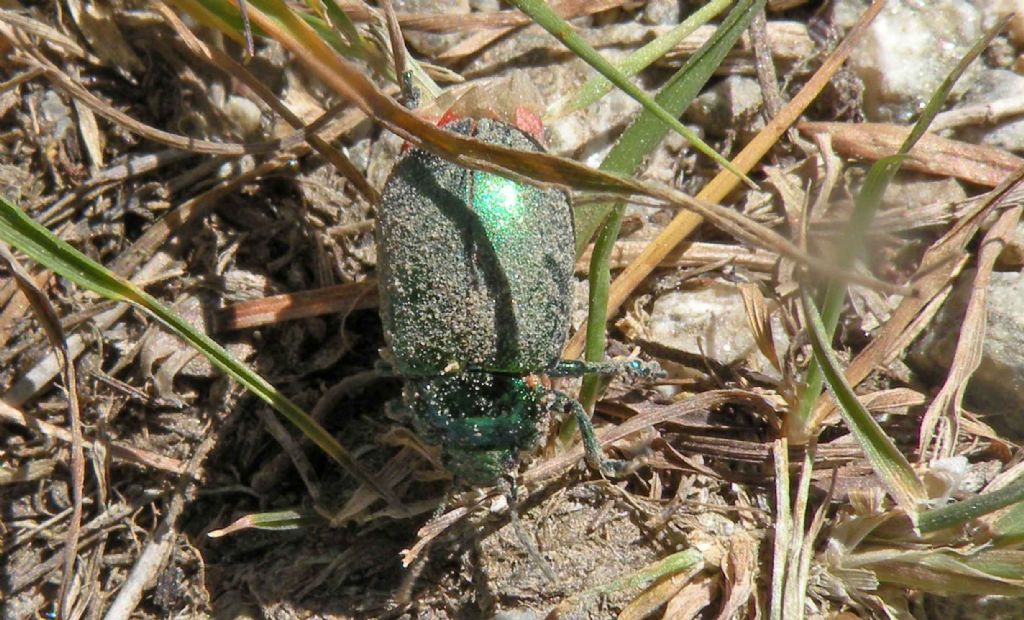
[526,120]
[530,123]
[447,117]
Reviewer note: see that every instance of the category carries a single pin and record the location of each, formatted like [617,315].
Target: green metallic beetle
[476,275]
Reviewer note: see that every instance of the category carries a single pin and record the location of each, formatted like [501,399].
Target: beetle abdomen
[475,270]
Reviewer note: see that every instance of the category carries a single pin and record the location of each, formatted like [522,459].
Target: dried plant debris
[242,192]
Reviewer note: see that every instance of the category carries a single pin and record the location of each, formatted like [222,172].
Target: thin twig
[765,67]
[158,549]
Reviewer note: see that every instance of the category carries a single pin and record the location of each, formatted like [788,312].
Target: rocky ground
[175,451]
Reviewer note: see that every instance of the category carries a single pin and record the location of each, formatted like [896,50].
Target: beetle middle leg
[592,453]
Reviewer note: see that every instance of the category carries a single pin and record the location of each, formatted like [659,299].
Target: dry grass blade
[766,75]
[794,584]
[760,320]
[99,27]
[38,29]
[984,165]
[55,334]
[566,9]
[662,592]
[693,599]
[783,535]
[683,225]
[289,306]
[987,113]
[29,472]
[946,407]
[432,530]
[15,304]
[397,469]
[694,254]
[740,569]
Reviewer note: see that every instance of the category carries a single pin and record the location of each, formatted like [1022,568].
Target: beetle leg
[596,460]
[511,489]
[632,368]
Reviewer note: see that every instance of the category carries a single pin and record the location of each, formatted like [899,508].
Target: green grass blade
[1009,528]
[967,510]
[598,86]
[541,13]
[992,572]
[644,135]
[330,35]
[218,14]
[1002,563]
[634,145]
[338,19]
[23,233]
[280,520]
[865,207]
[888,463]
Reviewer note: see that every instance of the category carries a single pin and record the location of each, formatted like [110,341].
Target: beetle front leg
[632,368]
[596,460]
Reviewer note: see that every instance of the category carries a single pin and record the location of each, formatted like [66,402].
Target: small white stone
[712,321]
[992,85]
[907,52]
[732,103]
[994,10]
[244,113]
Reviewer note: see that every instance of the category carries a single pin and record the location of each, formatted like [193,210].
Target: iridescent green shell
[475,270]
[481,420]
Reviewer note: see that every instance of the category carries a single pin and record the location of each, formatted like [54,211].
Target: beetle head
[480,420]
[513,100]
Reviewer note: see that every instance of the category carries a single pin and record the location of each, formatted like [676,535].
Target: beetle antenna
[524,540]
